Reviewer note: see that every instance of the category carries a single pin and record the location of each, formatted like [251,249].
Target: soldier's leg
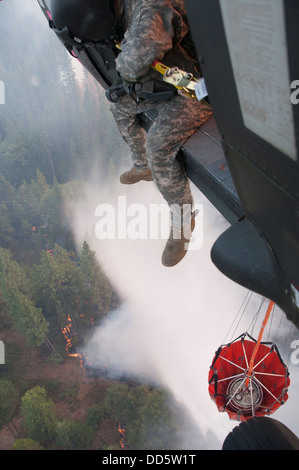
[176,122]
[125,113]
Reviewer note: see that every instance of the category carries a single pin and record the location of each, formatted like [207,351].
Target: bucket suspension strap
[251,364]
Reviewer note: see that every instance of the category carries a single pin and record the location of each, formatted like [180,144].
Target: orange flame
[123,437]
[66,331]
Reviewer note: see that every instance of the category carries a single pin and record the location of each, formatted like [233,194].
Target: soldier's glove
[116,90]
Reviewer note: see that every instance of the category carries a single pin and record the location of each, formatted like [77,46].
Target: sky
[172,320]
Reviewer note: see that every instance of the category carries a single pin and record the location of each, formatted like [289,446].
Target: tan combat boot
[177,244]
[134,175]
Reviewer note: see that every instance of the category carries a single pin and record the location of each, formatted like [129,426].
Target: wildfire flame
[68,335]
[123,444]
[66,331]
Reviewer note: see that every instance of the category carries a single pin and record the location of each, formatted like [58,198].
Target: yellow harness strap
[184,82]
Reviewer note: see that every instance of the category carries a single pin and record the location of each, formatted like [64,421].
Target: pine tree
[39,416]
[101,294]
[15,290]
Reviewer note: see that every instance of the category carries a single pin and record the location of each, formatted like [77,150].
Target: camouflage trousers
[158,149]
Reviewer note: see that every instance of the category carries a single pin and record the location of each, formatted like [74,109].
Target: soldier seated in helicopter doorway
[149,30]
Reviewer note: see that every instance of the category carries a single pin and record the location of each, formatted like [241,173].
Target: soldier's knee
[154,145]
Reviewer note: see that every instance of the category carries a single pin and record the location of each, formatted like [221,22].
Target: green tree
[39,415]
[115,401]
[136,399]
[99,294]
[145,414]
[67,287]
[57,286]
[63,433]
[9,399]
[74,434]
[6,230]
[26,444]
[7,196]
[14,286]
[82,435]
[158,423]
[7,191]
[52,207]
[31,196]
[95,416]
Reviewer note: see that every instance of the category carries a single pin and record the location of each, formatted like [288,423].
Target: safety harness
[151,91]
[175,81]
[185,83]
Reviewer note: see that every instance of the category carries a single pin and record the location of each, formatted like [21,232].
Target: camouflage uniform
[156,30]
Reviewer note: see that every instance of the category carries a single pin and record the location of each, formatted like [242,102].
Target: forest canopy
[55,128]
[54,119]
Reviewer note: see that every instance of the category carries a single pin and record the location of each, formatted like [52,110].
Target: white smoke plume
[172,319]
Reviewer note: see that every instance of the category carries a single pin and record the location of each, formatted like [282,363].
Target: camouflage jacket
[155,30]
